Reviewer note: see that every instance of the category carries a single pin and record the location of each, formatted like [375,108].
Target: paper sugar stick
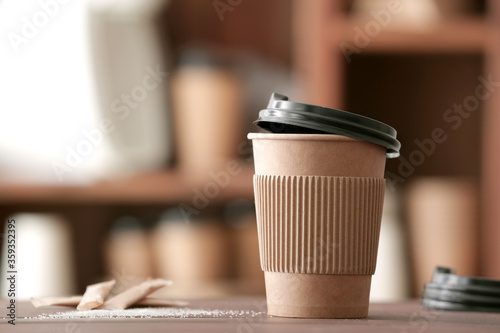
[158,302]
[75,300]
[134,294]
[56,301]
[95,295]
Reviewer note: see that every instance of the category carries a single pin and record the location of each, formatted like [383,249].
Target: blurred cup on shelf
[190,253]
[319,190]
[240,216]
[207,101]
[443,226]
[408,13]
[44,259]
[128,252]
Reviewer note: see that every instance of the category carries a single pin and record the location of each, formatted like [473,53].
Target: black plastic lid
[284,116]
[448,291]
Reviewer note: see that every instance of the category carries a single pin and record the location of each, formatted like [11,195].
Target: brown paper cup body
[316,155]
[317,295]
[318,223]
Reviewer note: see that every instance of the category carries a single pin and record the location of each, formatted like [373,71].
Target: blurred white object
[56,125]
[132,80]
[391,279]
[44,256]
[48,100]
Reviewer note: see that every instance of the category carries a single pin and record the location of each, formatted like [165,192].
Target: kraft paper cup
[319,201]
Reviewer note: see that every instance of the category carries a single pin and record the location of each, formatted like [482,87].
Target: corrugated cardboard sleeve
[318,224]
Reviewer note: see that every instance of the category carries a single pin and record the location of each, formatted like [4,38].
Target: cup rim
[301,137]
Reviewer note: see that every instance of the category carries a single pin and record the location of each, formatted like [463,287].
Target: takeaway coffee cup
[319,191]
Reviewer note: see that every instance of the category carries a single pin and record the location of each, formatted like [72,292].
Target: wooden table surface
[402,317]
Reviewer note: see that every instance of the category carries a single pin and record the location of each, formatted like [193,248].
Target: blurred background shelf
[160,187]
[407,75]
[464,35]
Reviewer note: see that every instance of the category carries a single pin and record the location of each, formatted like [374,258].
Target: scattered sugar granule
[151,313]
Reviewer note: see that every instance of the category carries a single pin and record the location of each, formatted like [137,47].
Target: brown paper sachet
[95,295]
[73,301]
[158,302]
[134,294]
[56,301]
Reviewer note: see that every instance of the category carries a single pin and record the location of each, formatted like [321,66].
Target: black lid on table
[448,291]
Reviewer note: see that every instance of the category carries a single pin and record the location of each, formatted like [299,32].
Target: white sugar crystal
[150,313]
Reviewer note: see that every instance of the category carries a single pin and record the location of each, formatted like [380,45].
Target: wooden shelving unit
[167,187]
[320,27]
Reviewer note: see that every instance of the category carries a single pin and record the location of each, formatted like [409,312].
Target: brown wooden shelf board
[466,35]
[161,187]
